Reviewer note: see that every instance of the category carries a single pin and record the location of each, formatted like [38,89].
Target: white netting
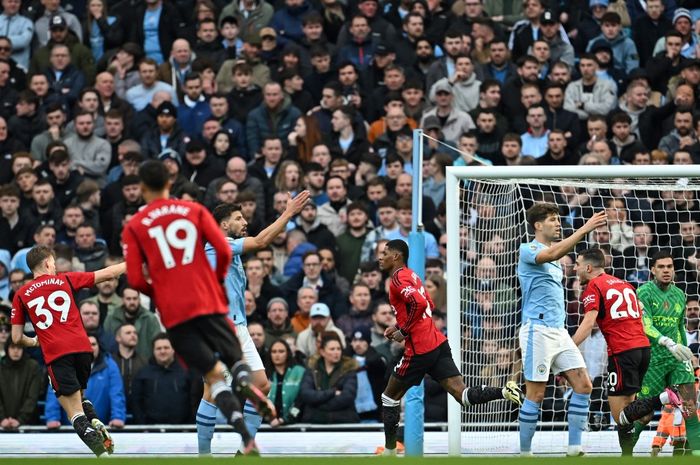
[644,214]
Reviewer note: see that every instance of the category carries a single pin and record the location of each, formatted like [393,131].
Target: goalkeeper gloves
[679,351]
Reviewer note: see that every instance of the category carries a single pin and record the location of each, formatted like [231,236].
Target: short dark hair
[160,337]
[400,246]
[224,211]
[594,256]
[154,175]
[660,255]
[540,211]
[37,255]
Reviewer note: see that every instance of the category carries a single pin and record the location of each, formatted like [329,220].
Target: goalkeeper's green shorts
[664,374]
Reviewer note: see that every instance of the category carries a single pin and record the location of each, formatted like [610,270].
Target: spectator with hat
[173,163]
[370,373]
[550,32]
[683,23]
[166,134]
[321,322]
[625,55]
[200,167]
[42,25]
[80,55]
[589,25]
[278,324]
[452,121]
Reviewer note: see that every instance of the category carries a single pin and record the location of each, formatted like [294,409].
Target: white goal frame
[454,175]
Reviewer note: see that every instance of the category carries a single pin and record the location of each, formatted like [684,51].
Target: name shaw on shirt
[164,210]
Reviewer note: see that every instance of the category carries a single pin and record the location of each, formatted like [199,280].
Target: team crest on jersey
[408,290]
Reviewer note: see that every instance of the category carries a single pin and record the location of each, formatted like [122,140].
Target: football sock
[626,438]
[578,417]
[206,420]
[252,418]
[391,413]
[692,428]
[529,413]
[89,410]
[231,409]
[480,395]
[638,428]
[638,409]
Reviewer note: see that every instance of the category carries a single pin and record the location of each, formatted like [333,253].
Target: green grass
[337,460]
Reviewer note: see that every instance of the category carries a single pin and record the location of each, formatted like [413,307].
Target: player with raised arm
[166,238]
[612,303]
[49,303]
[234,226]
[664,324]
[426,349]
[544,341]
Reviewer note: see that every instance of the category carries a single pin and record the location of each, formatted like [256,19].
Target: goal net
[648,207]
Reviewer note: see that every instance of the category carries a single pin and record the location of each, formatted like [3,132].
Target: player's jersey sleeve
[80,280]
[237,246]
[134,261]
[529,252]
[17,315]
[591,298]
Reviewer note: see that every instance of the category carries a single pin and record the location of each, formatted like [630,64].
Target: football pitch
[339,460]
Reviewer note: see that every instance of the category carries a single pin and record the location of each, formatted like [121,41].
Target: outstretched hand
[596,221]
[296,205]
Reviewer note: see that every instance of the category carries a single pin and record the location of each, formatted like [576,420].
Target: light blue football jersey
[235,280]
[542,288]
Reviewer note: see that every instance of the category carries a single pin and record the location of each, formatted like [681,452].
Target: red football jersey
[49,302]
[619,313]
[168,236]
[413,308]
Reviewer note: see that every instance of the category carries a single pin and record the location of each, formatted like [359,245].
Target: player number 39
[170,238]
[58,301]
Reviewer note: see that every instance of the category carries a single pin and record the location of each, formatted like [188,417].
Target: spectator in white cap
[683,23]
[321,321]
[456,121]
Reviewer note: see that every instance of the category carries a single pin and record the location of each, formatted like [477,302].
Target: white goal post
[505,192]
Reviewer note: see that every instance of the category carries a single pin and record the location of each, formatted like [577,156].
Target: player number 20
[53,303]
[170,239]
[629,298]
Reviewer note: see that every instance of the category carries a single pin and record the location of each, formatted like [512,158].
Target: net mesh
[643,215]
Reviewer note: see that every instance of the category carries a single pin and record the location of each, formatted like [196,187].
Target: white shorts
[250,353]
[547,350]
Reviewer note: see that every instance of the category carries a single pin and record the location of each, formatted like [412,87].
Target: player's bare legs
[467,396]
[73,405]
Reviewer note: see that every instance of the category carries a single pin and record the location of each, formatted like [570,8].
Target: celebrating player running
[427,350]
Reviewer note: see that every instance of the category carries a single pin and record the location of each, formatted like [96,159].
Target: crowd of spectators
[244,101]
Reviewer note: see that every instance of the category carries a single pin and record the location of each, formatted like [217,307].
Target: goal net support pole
[414,412]
[504,192]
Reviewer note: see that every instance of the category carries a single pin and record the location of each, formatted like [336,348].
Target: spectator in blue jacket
[161,390]
[274,117]
[105,390]
[287,21]
[195,109]
[626,57]
[19,30]
[361,46]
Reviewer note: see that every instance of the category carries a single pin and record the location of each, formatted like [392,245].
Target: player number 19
[38,306]
[168,239]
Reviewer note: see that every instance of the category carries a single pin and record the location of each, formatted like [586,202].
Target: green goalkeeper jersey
[663,315]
